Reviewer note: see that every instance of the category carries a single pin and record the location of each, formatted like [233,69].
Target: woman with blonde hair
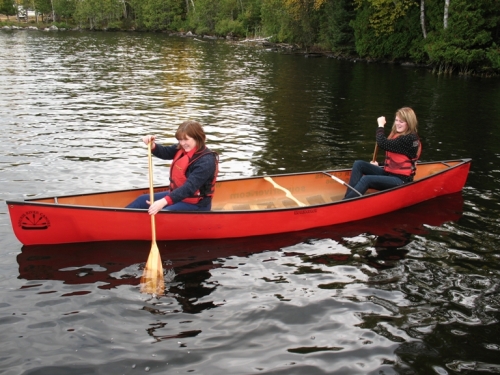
[402,149]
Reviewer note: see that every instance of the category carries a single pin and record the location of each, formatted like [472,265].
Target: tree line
[460,36]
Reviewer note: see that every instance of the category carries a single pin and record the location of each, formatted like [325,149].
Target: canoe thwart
[343,183]
[286,191]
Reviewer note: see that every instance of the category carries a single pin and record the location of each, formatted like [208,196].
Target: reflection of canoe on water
[110,262]
[242,207]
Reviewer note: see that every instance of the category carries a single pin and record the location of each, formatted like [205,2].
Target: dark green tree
[97,14]
[64,9]
[204,17]
[43,7]
[467,44]
[336,33]
[400,41]
[8,8]
[228,20]
[250,17]
[158,15]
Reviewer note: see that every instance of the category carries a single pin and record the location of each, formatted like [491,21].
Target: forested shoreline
[449,36]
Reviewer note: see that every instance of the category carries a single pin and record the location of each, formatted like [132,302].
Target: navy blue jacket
[199,174]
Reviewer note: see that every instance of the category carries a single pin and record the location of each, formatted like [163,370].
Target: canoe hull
[34,222]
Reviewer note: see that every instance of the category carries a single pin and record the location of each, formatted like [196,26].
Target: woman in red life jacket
[402,150]
[193,172]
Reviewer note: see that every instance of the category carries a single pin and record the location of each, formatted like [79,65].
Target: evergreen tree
[336,33]
[466,43]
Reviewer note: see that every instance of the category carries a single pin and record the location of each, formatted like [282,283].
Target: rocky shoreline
[284,48]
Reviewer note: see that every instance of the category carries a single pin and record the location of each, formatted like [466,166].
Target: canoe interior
[254,193]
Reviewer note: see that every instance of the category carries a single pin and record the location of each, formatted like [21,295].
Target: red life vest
[401,164]
[178,169]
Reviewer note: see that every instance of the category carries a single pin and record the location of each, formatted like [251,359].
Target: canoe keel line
[241,207]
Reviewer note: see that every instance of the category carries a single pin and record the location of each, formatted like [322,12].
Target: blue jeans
[366,176]
[140,202]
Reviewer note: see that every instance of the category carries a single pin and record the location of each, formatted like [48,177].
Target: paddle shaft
[374,158]
[151,192]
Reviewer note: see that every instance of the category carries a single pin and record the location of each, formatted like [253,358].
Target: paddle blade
[152,281]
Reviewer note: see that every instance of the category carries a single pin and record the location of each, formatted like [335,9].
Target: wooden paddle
[374,158]
[152,281]
[287,192]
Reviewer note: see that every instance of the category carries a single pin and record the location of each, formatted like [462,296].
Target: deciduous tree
[384,13]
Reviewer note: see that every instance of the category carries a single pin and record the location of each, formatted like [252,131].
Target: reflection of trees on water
[389,250]
[187,289]
[190,288]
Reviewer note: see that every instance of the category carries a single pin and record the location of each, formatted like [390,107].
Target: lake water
[412,292]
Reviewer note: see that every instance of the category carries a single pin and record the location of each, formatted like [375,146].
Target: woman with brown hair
[193,172]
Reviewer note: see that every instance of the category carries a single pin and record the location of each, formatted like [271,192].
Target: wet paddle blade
[152,280]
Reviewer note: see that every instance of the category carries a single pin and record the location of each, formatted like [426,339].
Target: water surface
[412,292]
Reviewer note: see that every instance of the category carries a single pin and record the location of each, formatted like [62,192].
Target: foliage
[373,29]
[229,27]
[493,56]
[250,17]
[400,44]
[384,13]
[157,15]
[467,43]
[297,8]
[275,20]
[43,6]
[292,21]
[61,25]
[64,8]
[7,7]
[96,14]
[204,16]
[336,32]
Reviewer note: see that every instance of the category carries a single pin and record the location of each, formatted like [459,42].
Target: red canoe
[242,207]
[104,262]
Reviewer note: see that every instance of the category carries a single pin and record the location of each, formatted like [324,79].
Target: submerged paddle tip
[152,280]
[153,285]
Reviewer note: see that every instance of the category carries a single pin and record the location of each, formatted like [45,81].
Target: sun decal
[34,220]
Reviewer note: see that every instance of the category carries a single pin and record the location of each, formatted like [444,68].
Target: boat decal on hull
[308,211]
[33,220]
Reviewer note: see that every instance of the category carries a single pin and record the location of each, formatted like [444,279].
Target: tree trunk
[422,18]
[124,9]
[53,11]
[445,19]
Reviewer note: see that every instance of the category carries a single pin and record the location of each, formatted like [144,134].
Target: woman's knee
[358,163]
